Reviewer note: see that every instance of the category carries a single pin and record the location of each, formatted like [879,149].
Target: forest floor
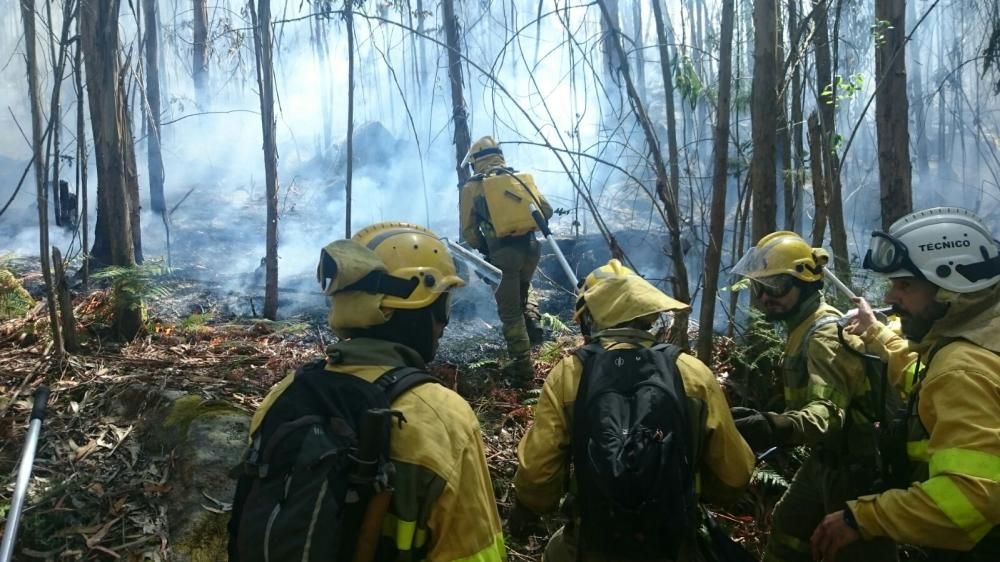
[97,495]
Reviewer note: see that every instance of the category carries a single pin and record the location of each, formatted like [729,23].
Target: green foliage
[483,364]
[846,88]
[14,300]
[878,32]
[553,323]
[194,322]
[687,81]
[551,351]
[769,479]
[137,283]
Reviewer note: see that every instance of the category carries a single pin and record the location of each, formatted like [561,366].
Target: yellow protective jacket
[822,379]
[544,453]
[955,502]
[474,217]
[443,507]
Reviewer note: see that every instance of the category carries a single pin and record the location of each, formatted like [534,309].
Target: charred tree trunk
[82,159]
[819,180]
[666,191]
[67,318]
[610,30]
[668,90]
[720,174]
[786,168]
[41,190]
[264,51]
[349,22]
[153,155]
[117,235]
[892,113]
[763,109]
[459,114]
[199,62]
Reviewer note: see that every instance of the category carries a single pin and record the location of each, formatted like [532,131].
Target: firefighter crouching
[944,266]
[616,308]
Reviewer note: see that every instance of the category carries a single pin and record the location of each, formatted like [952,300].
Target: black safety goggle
[776,286]
[887,255]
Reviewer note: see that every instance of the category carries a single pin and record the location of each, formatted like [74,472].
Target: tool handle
[41,399]
[543,224]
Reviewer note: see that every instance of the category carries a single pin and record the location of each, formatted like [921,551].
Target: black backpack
[632,453]
[314,465]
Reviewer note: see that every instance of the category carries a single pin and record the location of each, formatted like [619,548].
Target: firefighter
[828,404]
[617,308]
[390,286]
[496,221]
[944,267]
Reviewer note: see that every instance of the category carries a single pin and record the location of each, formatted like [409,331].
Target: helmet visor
[751,264]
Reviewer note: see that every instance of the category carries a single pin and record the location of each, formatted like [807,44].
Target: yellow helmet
[415,256]
[483,155]
[384,267]
[783,253]
[614,294]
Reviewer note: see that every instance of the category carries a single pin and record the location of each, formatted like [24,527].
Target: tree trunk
[798,163]
[82,159]
[349,22]
[892,113]
[199,62]
[831,162]
[639,57]
[264,51]
[153,155]
[720,175]
[610,30]
[819,180]
[666,191]
[666,69]
[786,168]
[117,235]
[917,94]
[67,319]
[41,190]
[459,114]
[763,109]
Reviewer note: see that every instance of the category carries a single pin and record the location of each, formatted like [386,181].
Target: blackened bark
[264,51]
[153,154]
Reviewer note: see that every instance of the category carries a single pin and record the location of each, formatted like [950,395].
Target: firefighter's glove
[763,430]
[739,412]
[521,522]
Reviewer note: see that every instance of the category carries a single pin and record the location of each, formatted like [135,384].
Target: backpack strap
[397,381]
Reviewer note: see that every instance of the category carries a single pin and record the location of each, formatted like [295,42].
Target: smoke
[539,85]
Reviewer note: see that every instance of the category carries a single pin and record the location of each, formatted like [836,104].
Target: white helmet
[948,246]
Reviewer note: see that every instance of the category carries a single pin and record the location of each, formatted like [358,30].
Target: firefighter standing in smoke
[497,222]
[944,266]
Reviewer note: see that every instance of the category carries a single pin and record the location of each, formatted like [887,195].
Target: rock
[207,438]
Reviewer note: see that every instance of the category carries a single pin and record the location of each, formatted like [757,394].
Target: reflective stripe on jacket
[821,378]
[956,501]
[544,453]
[443,508]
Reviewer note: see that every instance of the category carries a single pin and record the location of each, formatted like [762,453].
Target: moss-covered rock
[14,299]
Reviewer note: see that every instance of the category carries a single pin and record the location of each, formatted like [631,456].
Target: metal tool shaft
[24,474]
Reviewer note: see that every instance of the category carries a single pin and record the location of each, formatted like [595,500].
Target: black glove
[763,430]
[739,412]
[521,521]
